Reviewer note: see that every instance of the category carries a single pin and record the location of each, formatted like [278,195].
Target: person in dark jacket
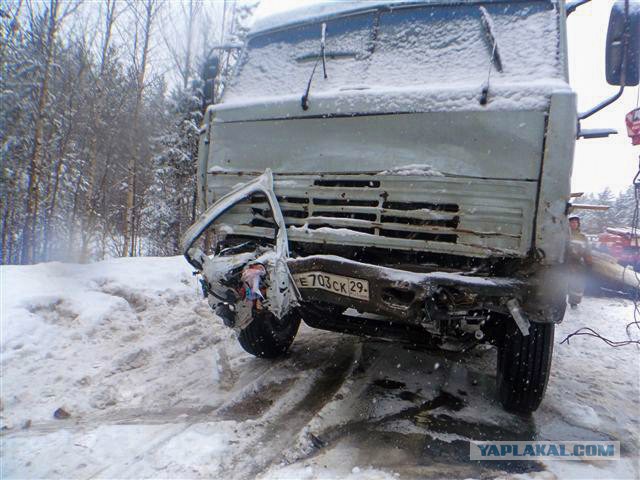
[579,261]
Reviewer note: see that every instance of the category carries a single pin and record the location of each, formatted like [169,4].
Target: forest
[101,106]
[619,214]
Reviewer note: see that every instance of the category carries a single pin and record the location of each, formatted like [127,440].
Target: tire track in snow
[286,425]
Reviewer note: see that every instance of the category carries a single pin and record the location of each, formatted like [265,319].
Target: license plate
[345,286]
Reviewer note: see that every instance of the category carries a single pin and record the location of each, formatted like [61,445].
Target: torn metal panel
[262,184]
[552,229]
[224,274]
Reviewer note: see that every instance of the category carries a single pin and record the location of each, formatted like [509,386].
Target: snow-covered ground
[155,386]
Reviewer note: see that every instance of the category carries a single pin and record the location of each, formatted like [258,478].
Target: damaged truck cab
[399,170]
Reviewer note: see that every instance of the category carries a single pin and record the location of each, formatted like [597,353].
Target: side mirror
[623,44]
[209,73]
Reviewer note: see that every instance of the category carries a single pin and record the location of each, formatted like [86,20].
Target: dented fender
[262,184]
[281,290]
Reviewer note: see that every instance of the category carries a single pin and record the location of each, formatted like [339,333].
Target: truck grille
[441,214]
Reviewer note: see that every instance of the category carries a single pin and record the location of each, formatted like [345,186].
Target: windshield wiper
[305,97]
[487,23]
[322,50]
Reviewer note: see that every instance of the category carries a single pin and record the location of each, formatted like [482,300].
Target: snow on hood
[218,169]
[325,10]
[416,169]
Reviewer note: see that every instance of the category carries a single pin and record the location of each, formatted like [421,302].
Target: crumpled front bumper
[393,293]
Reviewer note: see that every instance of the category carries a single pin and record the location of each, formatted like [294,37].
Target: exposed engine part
[470,323]
[252,276]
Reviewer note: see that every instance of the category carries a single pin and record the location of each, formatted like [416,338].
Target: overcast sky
[598,163]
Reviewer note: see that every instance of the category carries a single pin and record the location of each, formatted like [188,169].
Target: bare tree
[73,83]
[179,36]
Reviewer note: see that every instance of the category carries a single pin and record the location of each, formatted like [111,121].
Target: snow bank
[78,336]
[36,298]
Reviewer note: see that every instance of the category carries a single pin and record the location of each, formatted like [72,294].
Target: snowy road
[156,387]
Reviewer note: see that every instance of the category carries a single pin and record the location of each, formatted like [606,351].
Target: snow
[400,276]
[311,12]
[413,170]
[340,232]
[219,169]
[157,387]
[315,473]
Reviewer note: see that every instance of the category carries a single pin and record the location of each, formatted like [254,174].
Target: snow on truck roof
[435,58]
[324,11]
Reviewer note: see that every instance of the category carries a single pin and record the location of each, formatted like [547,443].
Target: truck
[400,169]
[622,244]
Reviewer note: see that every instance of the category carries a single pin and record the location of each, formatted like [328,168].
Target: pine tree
[623,208]
[172,202]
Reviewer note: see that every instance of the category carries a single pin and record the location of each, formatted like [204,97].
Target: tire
[269,337]
[524,364]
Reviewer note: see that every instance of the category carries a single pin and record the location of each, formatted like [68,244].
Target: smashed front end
[368,278]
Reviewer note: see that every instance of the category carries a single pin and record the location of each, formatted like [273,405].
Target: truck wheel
[267,336]
[524,363]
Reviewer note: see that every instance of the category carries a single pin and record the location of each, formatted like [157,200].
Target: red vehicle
[621,243]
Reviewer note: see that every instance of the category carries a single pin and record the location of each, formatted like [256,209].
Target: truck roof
[623,231]
[325,11]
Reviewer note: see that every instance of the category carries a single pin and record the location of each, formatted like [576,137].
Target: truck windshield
[403,47]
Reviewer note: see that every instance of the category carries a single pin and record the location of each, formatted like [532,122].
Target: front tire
[524,363]
[268,336]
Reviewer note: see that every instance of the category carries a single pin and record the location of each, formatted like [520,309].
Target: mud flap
[518,317]
[223,275]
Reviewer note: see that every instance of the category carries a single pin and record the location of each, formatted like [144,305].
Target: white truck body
[409,160]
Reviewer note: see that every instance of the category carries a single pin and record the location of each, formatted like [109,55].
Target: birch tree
[144,15]
[53,16]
